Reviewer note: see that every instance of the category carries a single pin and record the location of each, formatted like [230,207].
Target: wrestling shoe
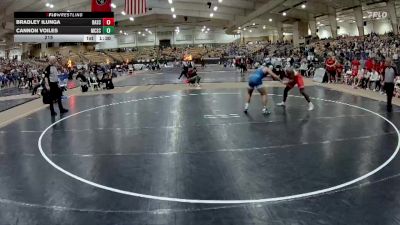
[310,106]
[266,111]
[281,104]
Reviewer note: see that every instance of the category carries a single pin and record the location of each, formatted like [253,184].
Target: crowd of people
[370,62]
[50,78]
[17,74]
[361,62]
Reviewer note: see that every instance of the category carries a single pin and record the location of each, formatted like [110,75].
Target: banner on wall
[101,5]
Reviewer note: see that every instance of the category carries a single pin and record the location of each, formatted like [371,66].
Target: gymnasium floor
[12,91]
[11,103]
[192,157]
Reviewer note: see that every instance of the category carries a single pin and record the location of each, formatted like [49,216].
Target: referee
[52,83]
[390,75]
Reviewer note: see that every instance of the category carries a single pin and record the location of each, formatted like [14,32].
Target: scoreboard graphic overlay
[63,26]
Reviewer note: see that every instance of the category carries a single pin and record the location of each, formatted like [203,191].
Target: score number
[108,25]
[103,22]
[108,22]
[108,30]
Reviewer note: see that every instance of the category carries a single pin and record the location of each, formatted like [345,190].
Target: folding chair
[94,85]
[63,84]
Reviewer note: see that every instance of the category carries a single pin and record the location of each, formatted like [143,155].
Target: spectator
[30,79]
[339,71]
[330,66]
[303,67]
[369,64]
[357,81]
[365,79]
[185,69]
[193,77]
[41,83]
[375,82]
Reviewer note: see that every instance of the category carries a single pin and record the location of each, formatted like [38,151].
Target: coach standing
[389,76]
[52,83]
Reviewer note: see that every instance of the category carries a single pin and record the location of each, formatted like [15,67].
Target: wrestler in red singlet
[295,78]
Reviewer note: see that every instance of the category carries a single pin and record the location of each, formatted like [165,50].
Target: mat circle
[204,201]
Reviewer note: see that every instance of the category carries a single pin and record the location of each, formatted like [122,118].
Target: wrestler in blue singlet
[255,82]
[255,79]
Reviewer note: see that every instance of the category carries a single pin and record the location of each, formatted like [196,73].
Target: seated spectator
[303,67]
[107,80]
[84,81]
[365,79]
[40,83]
[374,81]
[348,78]
[357,80]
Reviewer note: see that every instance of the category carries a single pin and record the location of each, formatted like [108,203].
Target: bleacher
[115,55]
[84,54]
[98,57]
[127,56]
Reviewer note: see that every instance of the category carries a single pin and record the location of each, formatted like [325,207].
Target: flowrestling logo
[377,15]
